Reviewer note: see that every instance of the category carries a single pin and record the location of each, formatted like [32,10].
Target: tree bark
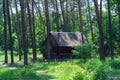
[67,14]
[57,16]
[18,31]
[34,38]
[99,22]
[65,26]
[10,33]
[90,21]
[24,39]
[110,31]
[80,20]
[48,27]
[5,31]
[118,1]
[73,16]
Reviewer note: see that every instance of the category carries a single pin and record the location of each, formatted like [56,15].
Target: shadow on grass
[46,77]
[22,74]
[10,66]
[43,65]
[36,71]
[115,75]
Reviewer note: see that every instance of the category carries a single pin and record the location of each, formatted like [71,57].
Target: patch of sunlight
[41,72]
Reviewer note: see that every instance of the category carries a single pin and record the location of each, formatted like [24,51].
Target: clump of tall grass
[94,69]
[18,74]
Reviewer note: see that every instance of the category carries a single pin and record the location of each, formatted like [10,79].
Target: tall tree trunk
[72,16]
[32,29]
[24,40]
[48,27]
[90,21]
[29,21]
[99,22]
[57,16]
[118,1]
[12,15]
[34,38]
[65,26]
[10,33]
[102,52]
[80,20]
[5,31]
[47,17]
[66,15]
[18,31]
[110,31]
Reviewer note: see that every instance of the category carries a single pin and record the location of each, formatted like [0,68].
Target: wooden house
[58,45]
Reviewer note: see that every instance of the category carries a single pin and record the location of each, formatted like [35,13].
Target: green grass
[61,70]
[40,71]
[18,74]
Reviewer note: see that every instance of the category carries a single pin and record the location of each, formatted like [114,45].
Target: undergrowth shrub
[92,64]
[101,73]
[18,74]
[27,74]
[94,69]
[83,51]
[79,76]
[66,70]
[115,64]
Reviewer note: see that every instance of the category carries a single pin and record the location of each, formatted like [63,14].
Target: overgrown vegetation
[18,74]
[83,51]
[97,70]
[72,69]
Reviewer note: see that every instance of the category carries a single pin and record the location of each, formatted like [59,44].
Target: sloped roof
[68,38]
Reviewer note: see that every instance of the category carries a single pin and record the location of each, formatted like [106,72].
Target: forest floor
[58,70]
[41,70]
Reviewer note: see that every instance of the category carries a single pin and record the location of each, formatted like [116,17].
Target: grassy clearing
[40,71]
[66,70]
[92,69]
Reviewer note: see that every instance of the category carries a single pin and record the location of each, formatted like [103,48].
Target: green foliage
[15,41]
[17,74]
[79,76]
[95,34]
[100,74]
[92,65]
[94,69]
[115,64]
[83,51]
[75,69]
[66,70]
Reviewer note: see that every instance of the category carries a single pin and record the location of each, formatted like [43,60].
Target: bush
[94,69]
[83,51]
[18,74]
[100,73]
[93,64]
[79,76]
[115,64]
